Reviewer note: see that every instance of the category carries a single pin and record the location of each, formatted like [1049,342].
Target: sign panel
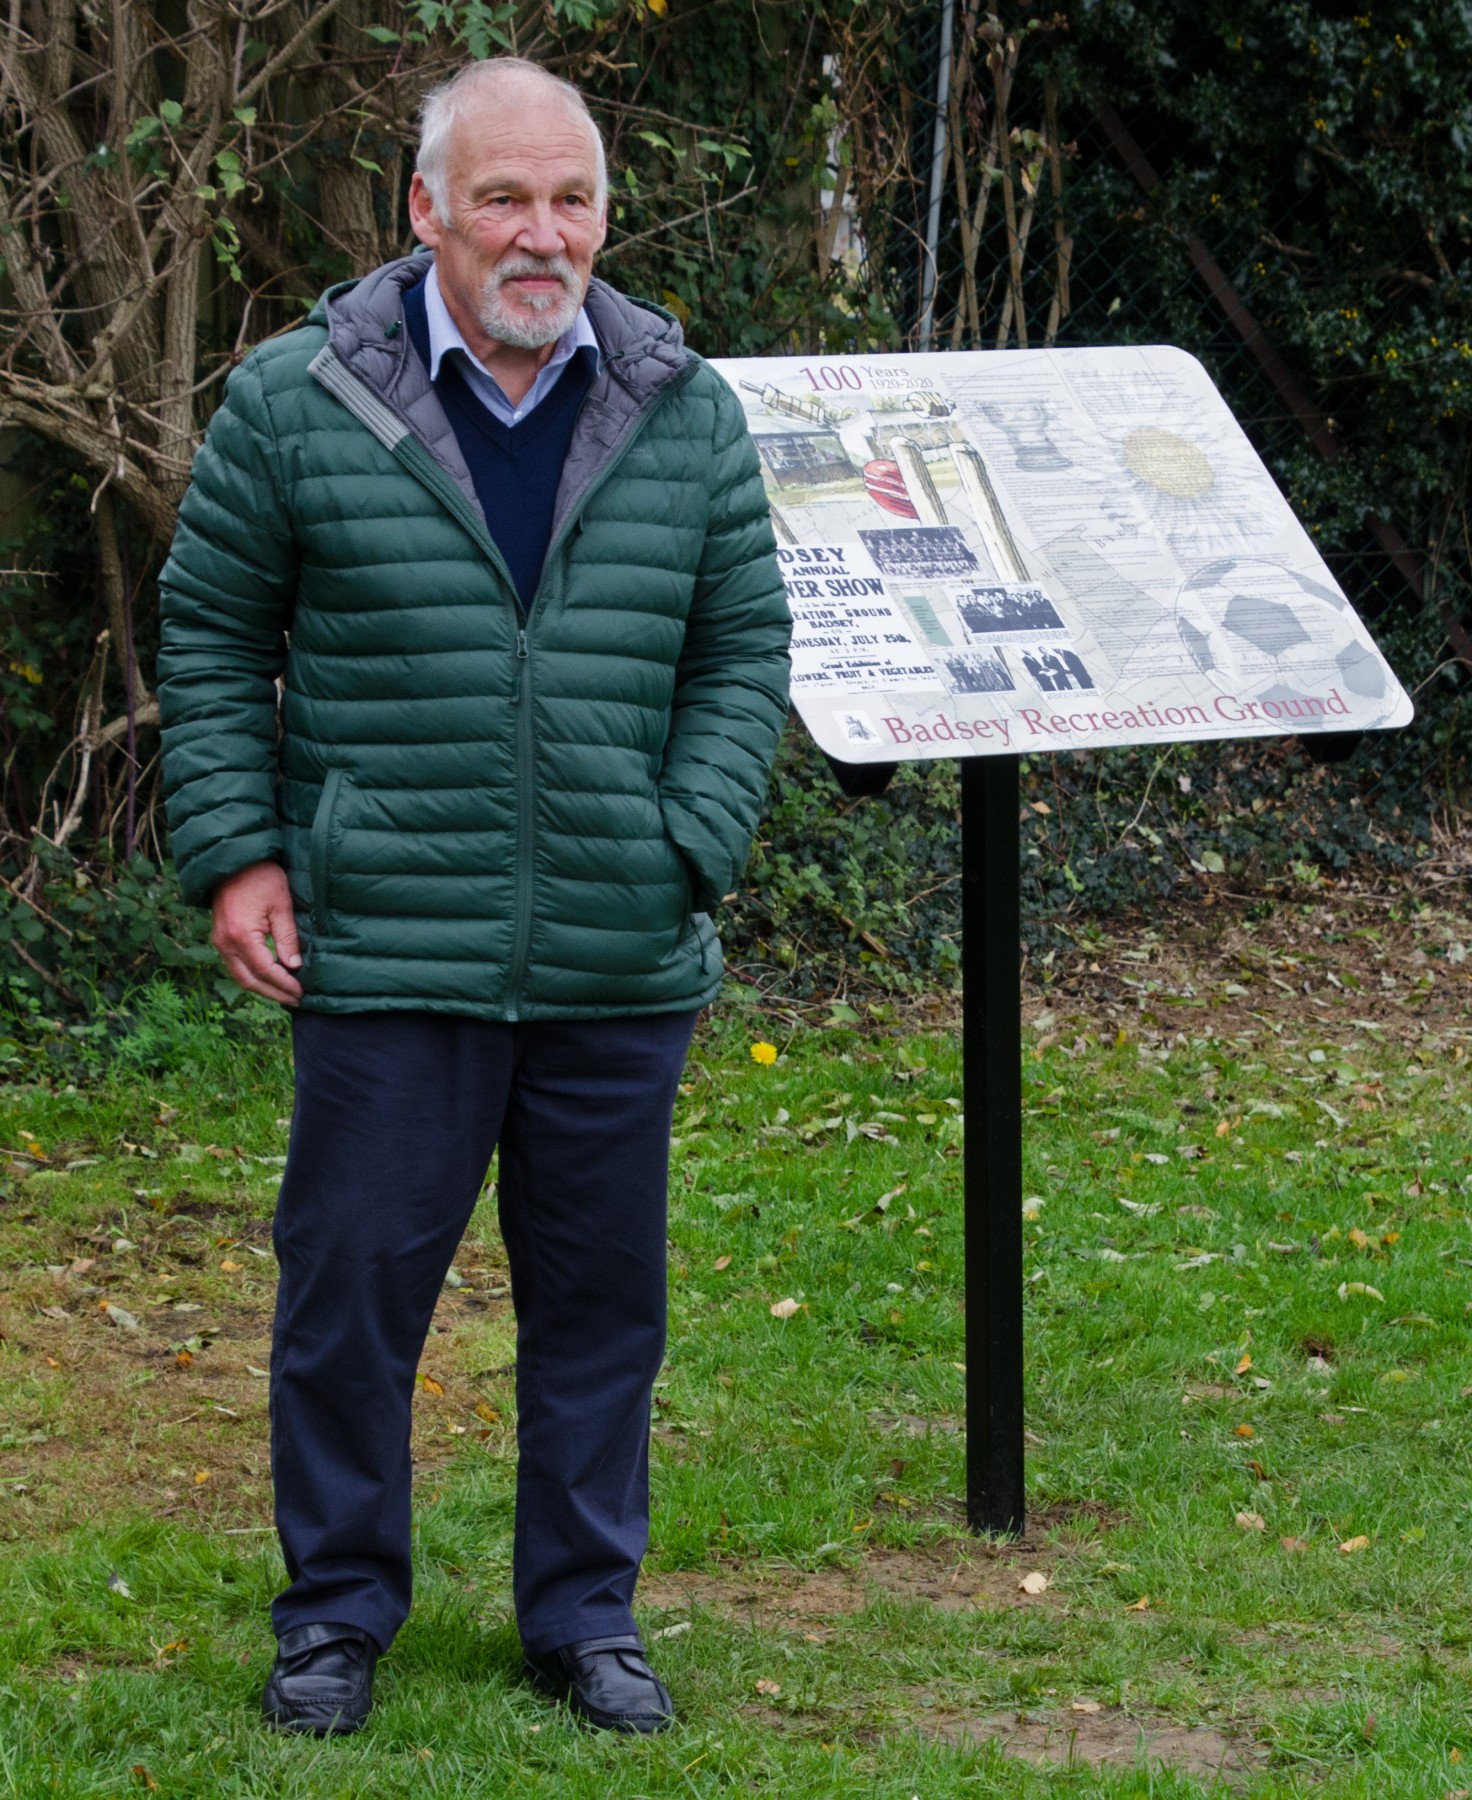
[1003,551]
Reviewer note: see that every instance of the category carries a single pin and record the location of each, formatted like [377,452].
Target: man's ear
[422,215]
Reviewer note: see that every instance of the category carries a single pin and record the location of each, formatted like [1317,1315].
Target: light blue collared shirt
[445,340]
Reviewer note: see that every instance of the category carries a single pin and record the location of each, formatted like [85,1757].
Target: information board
[996,552]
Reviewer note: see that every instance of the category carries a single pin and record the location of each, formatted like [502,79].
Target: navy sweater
[516,468]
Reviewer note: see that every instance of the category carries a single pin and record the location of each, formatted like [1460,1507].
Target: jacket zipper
[525,735]
[526,801]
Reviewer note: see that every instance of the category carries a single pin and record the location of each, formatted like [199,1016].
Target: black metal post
[992,1039]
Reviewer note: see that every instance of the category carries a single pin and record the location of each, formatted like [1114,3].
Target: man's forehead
[521,119]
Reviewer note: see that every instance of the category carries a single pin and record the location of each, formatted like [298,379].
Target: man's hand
[249,908]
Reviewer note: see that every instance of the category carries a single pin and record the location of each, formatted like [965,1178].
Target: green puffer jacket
[482,811]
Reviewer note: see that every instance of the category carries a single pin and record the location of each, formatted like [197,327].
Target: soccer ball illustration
[1263,631]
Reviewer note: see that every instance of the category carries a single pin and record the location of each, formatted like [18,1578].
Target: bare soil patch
[949,1577]
[171,1417]
[1106,1738]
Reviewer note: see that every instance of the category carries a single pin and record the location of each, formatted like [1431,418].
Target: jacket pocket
[321,860]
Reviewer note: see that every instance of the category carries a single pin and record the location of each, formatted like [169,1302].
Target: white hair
[445,104]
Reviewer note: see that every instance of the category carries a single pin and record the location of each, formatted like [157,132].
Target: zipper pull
[521,649]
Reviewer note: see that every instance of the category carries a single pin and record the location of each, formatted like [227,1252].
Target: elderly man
[506,541]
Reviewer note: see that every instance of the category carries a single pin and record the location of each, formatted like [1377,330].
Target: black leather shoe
[322,1681]
[607,1683]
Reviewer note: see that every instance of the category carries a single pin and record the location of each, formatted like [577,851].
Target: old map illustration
[1019,550]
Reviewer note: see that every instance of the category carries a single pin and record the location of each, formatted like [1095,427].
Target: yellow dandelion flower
[763,1053]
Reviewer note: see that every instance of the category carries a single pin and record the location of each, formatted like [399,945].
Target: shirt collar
[445,336]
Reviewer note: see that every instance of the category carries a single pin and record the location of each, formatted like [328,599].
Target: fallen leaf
[488,1413]
[119,1315]
[770,1688]
[1033,1582]
[1086,1706]
[722,1262]
[1140,1605]
[1243,1366]
[55,1312]
[231,1268]
[80,1265]
[1346,1288]
[669,1631]
[184,1360]
[1251,1521]
[1350,1545]
[201,1476]
[431,1386]
[260,1374]
[785,1309]
[143,1775]
[52,1363]
[120,1587]
[1295,1546]
[1243,1431]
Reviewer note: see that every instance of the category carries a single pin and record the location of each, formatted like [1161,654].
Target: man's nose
[541,231]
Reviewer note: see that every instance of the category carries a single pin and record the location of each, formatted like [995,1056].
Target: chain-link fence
[1070,217]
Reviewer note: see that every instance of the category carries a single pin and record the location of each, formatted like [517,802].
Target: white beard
[554,313]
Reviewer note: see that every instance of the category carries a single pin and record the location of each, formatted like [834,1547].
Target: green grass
[808,1471]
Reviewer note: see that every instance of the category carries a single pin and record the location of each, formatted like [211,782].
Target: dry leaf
[721,1262]
[119,1315]
[488,1413]
[1350,1545]
[770,1688]
[1250,1521]
[184,1360]
[784,1309]
[1033,1582]
[143,1775]
[669,1631]
[201,1476]
[1243,1431]
[1243,1366]
[260,1374]
[431,1386]
[119,1587]
[231,1268]
[1295,1546]
[1087,1706]
[52,1363]
[1358,1238]
[1140,1605]
[1346,1288]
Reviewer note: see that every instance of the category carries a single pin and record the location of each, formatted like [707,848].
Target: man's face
[524,225]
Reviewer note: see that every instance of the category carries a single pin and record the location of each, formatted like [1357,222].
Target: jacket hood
[642,345]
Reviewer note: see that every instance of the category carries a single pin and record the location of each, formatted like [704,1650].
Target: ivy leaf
[381,34]
[171,112]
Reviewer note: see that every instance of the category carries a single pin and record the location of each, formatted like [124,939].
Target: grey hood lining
[643,352]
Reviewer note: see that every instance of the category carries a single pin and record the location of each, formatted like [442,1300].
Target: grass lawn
[1249,1244]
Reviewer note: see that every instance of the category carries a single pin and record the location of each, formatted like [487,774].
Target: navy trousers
[395,1120]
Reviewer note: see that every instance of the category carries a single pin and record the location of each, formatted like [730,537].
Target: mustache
[553,268]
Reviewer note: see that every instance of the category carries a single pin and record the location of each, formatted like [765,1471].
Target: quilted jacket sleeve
[730,702]
[226,596]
